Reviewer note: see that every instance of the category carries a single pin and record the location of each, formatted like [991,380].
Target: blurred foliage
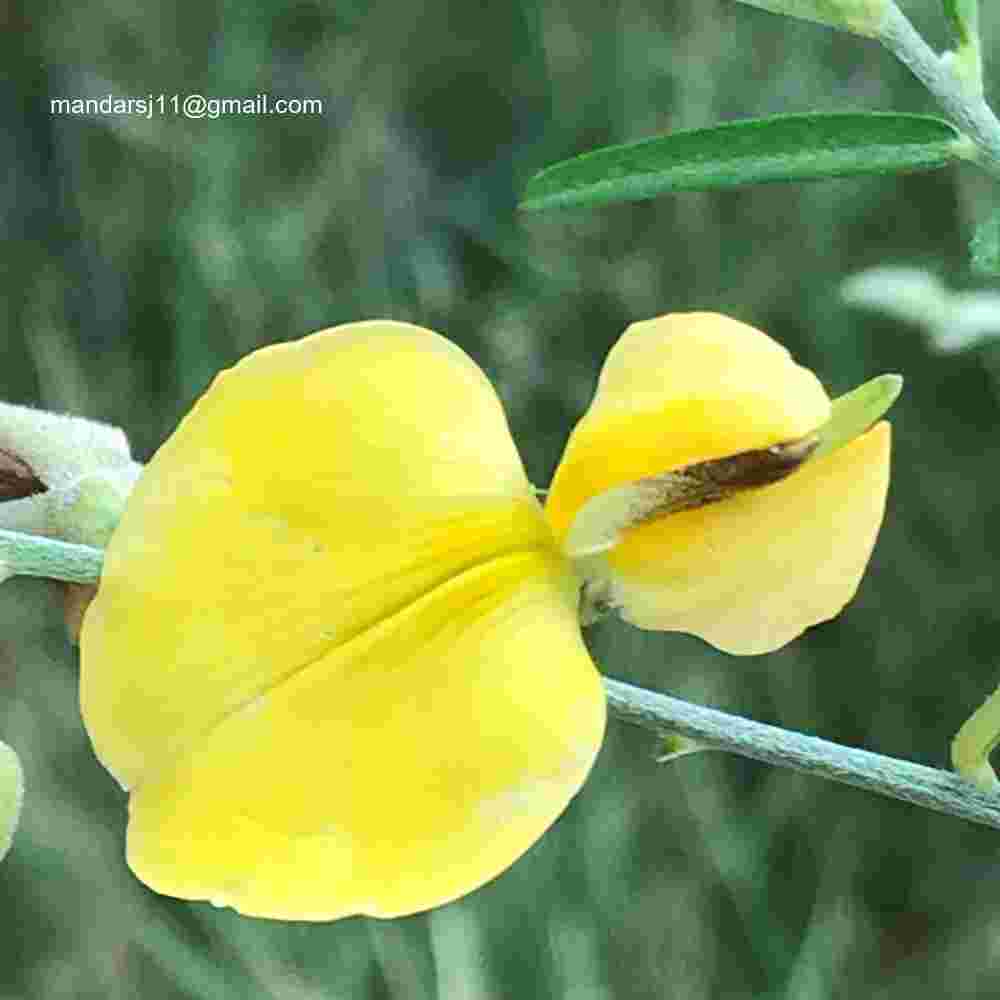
[143,255]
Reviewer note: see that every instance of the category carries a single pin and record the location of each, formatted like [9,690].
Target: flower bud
[62,476]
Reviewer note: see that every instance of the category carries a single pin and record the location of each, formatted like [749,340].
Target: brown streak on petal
[757,468]
[709,482]
[17,478]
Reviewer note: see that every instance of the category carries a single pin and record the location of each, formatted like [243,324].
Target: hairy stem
[22,554]
[934,789]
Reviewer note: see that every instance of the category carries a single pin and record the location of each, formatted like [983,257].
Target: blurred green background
[143,255]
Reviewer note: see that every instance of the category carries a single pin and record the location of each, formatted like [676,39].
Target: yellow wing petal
[395,773]
[681,389]
[316,488]
[751,573]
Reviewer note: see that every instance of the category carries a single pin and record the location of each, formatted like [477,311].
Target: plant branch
[22,554]
[962,99]
[934,789]
[35,555]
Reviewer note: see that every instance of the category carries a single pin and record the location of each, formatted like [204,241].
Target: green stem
[35,555]
[930,787]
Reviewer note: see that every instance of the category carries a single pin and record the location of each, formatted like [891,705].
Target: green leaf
[784,148]
[985,246]
[854,412]
[11,793]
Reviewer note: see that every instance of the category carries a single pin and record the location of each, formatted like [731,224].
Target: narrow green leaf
[854,412]
[784,148]
[985,246]
[11,793]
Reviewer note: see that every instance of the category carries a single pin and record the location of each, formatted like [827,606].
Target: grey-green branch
[934,789]
[22,554]
[967,108]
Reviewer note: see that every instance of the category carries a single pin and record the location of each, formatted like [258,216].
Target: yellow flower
[335,655]
[749,573]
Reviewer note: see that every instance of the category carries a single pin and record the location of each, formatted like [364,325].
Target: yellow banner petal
[395,773]
[749,574]
[316,488]
[257,666]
